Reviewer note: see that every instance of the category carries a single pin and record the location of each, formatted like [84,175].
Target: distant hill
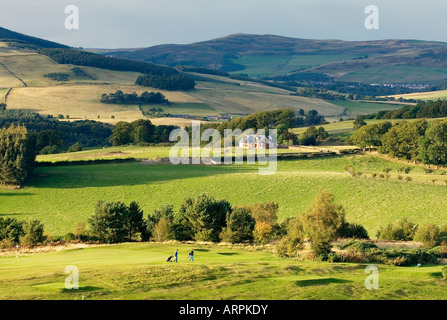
[270,55]
[9,35]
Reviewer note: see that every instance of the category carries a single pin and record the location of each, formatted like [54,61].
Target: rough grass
[62,196]
[139,271]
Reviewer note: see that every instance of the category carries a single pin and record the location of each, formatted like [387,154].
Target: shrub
[361,246]
[80,230]
[352,230]
[163,230]
[429,235]
[403,230]
[288,247]
[322,222]
[75,147]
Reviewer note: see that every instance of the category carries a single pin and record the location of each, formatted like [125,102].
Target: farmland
[139,271]
[62,196]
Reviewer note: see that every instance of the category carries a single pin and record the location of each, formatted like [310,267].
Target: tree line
[82,58]
[171,82]
[430,109]
[132,98]
[85,132]
[417,140]
[140,132]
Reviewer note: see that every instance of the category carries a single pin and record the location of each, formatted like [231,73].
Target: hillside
[270,55]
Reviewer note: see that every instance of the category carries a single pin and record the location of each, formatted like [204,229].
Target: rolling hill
[382,61]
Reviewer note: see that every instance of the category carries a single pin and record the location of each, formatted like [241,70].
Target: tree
[142,131]
[11,230]
[321,222]
[108,223]
[402,140]
[134,220]
[34,233]
[202,218]
[359,122]
[17,155]
[122,134]
[165,212]
[262,232]
[162,230]
[433,146]
[370,135]
[239,226]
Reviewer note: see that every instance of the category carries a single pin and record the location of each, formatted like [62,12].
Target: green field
[62,196]
[258,66]
[396,74]
[139,271]
[363,108]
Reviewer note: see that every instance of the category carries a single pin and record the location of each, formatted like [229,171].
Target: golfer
[176,255]
[191,256]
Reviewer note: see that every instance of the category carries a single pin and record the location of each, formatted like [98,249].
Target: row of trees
[431,109]
[202,218]
[89,59]
[167,81]
[417,140]
[138,132]
[132,98]
[85,132]
[18,232]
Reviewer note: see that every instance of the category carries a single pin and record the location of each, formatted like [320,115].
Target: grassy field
[432,95]
[396,74]
[258,66]
[139,271]
[362,108]
[62,196]
[226,98]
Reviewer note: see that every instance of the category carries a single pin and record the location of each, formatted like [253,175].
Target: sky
[144,23]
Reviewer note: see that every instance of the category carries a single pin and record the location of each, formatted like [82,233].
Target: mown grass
[139,271]
[62,196]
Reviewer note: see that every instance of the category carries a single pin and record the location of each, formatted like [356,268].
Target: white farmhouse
[256,141]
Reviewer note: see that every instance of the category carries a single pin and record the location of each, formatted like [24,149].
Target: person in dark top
[191,256]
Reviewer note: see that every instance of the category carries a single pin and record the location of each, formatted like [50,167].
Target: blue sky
[142,23]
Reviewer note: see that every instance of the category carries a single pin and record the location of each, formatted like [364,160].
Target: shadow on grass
[228,253]
[319,282]
[124,174]
[82,289]
[202,250]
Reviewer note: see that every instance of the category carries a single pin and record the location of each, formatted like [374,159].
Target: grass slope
[62,196]
[139,271]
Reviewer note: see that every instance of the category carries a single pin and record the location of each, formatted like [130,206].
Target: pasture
[62,196]
[140,271]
